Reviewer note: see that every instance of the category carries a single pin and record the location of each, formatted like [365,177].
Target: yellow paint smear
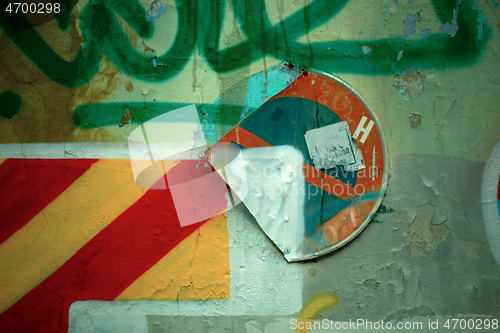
[196,269]
[55,234]
[314,307]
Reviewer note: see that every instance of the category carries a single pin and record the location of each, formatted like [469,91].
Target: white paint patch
[400,55]
[373,164]
[175,135]
[86,150]
[227,160]
[276,195]
[366,49]
[489,200]
[332,146]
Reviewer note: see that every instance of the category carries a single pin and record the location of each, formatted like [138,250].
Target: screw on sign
[316,165]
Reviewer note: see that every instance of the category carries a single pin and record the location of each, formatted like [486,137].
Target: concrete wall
[84,249]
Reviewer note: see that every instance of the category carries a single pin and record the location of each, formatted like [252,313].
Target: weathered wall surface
[84,249]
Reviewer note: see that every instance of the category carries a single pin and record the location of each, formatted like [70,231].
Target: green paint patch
[10,104]
[383,210]
[64,15]
[111,114]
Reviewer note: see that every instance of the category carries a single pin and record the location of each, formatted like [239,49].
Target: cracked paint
[410,83]
[422,235]
[186,273]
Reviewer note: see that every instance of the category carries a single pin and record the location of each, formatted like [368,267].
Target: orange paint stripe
[249,140]
[327,183]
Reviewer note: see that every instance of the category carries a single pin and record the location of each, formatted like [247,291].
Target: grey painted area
[378,276]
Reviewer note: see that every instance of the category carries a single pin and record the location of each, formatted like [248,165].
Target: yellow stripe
[313,308]
[196,269]
[55,234]
[2,160]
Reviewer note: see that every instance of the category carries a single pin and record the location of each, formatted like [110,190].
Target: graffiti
[110,114]
[313,308]
[11,104]
[200,25]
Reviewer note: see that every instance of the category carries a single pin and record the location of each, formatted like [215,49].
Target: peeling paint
[400,55]
[410,83]
[366,49]
[371,283]
[156,10]
[452,28]
[410,25]
[415,120]
[127,118]
[422,235]
[425,32]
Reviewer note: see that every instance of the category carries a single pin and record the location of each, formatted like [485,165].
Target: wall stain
[422,235]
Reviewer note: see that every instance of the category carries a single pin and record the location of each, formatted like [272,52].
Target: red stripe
[29,185]
[498,194]
[104,267]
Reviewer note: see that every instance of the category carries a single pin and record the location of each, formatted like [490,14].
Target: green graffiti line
[200,25]
[10,104]
[110,114]
[217,119]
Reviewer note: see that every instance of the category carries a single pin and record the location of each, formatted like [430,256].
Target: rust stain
[147,48]
[130,87]
[105,83]
[127,29]
[127,117]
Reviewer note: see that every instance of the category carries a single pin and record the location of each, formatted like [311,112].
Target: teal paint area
[283,122]
[200,25]
[216,120]
[10,104]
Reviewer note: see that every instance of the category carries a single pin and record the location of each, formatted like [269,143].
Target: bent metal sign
[310,164]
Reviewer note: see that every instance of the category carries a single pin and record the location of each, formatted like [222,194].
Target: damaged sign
[316,165]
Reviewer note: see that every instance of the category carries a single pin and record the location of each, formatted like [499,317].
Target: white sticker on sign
[332,146]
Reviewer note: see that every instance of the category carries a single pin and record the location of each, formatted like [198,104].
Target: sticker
[333,146]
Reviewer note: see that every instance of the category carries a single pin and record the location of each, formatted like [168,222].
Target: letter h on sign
[366,130]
